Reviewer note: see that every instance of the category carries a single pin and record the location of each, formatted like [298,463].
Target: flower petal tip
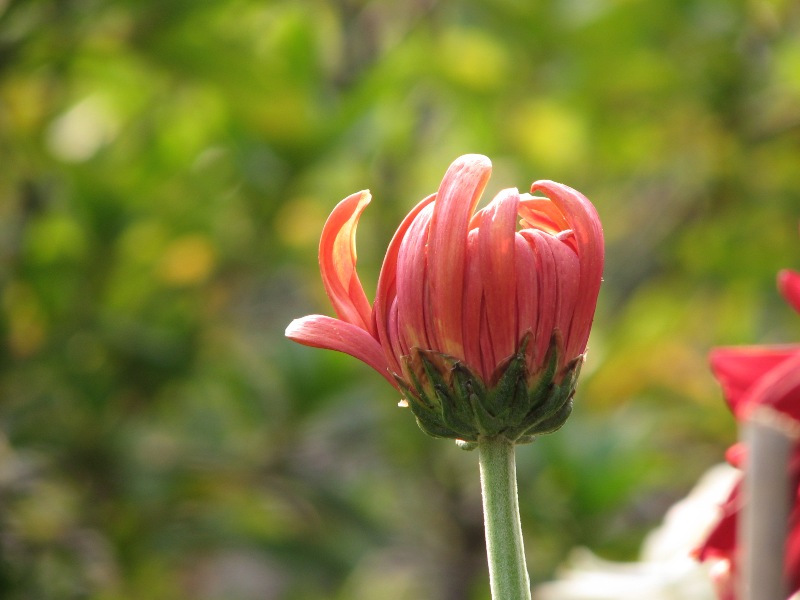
[478,160]
[789,286]
[292,328]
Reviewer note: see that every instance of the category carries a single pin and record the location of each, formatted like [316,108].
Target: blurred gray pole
[764,522]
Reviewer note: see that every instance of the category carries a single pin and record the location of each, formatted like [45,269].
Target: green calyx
[449,400]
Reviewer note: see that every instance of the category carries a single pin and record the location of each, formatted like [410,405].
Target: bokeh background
[165,171]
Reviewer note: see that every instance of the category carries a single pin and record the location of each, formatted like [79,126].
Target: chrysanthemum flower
[480,319]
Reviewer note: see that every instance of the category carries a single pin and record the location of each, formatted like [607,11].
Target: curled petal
[585,224]
[320,331]
[789,285]
[477,219]
[387,282]
[337,261]
[540,213]
[456,199]
[496,246]
[387,288]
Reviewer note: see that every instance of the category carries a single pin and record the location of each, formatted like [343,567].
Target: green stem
[508,573]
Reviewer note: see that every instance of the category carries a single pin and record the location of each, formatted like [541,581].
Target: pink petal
[547,302]
[337,261]
[411,282]
[387,286]
[527,292]
[320,331]
[473,306]
[487,354]
[789,285]
[456,199]
[584,222]
[541,213]
[498,272]
[393,331]
[738,369]
[565,281]
[568,269]
[476,219]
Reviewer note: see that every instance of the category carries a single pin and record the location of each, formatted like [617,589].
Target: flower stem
[508,573]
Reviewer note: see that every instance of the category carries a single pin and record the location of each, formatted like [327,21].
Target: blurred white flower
[77,134]
[666,571]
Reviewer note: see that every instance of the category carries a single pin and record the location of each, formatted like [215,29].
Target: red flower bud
[481,319]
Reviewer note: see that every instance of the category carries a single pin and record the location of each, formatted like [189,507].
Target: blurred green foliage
[165,170]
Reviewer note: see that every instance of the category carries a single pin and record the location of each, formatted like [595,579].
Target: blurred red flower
[760,382]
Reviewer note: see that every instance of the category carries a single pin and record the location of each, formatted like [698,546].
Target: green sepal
[424,412]
[486,423]
[547,404]
[455,411]
[449,400]
[566,392]
[541,384]
[467,383]
[417,381]
[508,398]
[429,422]
[536,389]
[471,392]
[502,398]
[556,421]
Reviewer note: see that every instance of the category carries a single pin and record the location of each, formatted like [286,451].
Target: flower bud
[481,319]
